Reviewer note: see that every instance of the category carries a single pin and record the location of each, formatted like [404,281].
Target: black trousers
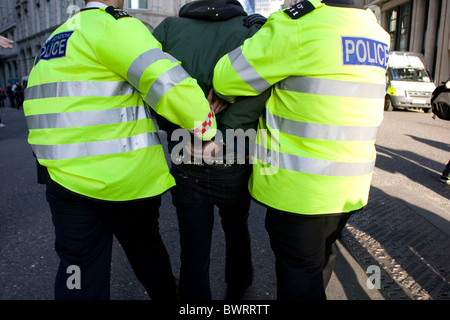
[304,252]
[447,169]
[199,189]
[84,230]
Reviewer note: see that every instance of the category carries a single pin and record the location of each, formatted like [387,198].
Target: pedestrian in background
[7,44]
[10,93]
[2,98]
[106,166]
[18,94]
[2,105]
[199,37]
[440,105]
[315,147]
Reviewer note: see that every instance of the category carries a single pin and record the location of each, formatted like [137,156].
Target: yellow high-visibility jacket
[315,151]
[87,106]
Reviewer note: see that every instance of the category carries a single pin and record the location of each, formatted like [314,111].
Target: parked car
[409,85]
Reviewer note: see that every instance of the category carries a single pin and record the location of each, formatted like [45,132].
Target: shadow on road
[411,252]
[416,167]
[347,276]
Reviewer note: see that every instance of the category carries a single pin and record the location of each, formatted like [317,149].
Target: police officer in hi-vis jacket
[315,153]
[87,109]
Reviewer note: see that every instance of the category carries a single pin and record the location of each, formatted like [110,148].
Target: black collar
[342,3]
[212,10]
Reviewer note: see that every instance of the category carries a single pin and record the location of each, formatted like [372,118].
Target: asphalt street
[412,151]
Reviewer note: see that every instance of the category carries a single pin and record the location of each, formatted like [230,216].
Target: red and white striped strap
[205,125]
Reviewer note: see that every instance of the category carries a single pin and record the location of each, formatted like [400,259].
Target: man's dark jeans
[198,190]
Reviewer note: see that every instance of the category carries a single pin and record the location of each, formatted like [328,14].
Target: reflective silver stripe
[314,166]
[95,148]
[337,88]
[224,97]
[321,131]
[246,71]
[142,62]
[164,83]
[79,89]
[87,118]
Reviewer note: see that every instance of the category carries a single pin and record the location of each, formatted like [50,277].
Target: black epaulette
[117,13]
[298,10]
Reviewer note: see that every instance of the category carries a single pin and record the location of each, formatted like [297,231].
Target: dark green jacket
[199,38]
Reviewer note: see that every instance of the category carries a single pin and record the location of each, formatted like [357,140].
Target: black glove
[254,19]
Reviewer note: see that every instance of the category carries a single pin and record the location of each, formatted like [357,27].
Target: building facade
[421,26]
[266,7]
[249,6]
[30,22]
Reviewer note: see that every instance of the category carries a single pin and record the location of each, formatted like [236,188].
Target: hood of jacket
[212,10]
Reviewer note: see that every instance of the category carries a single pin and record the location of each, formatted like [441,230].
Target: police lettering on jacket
[55,47]
[363,51]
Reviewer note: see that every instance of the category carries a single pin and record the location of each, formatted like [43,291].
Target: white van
[408,83]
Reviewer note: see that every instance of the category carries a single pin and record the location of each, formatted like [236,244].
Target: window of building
[48,15]
[400,27]
[138,4]
[393,27]
[37,14]
[427,9]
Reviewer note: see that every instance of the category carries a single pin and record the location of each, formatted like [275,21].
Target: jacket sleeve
[160,32]
[245,112]
[160,35]
[260,62]
[128,48]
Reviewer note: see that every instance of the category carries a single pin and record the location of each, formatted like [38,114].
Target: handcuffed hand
[194,151]
[207,152]
[217,104]
[210,150]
